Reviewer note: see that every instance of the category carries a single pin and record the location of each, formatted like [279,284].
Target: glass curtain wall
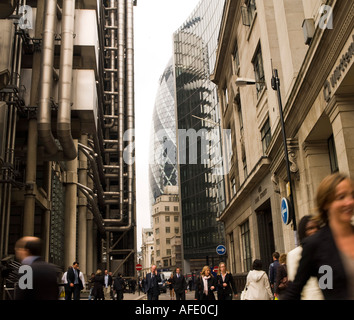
[199,145]
[163,159]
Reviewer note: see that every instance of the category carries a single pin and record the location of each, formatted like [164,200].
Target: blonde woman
[225,283]
[97,291]
[206,285]
[329,253]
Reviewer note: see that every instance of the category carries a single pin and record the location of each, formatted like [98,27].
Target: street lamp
[276,87]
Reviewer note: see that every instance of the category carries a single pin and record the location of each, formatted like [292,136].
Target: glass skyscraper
[199,145]
[162,166]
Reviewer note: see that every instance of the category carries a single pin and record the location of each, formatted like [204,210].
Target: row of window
[167,219]
[167,230]
[167,208]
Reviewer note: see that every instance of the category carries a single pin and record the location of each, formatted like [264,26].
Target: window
[167,208]
[167,218]
[176,230]
[175,208]
[168,252]
[233,187]
[259,70]
[246,245]
[248,12]
[236,59]
[266,136]
[168,241]
[168,229]
[157,231]
[176,218]
[157,253]
[157,242]
[333,155]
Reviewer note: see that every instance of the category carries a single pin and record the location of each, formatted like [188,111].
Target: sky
[155,21]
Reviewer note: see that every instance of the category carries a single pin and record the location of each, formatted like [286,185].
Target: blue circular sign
[285,211]
[220,250]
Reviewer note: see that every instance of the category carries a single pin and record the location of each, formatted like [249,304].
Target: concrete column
[91,236]
[70,211]
[82,210]
[31,163]
[341,114]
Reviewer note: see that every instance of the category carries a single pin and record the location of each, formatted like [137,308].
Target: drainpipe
[44,112]
[121,90]
[65,81]
[116,224]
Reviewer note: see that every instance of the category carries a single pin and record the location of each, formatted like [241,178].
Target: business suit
[73,277]
[320,250]
[152,286]
[180,286]
[225,293]
[45,282]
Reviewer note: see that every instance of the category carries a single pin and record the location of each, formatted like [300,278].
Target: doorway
[265,234]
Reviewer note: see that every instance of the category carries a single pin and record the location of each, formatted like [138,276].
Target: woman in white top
[257,283]
[311,291]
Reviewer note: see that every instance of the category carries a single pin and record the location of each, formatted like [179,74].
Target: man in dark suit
[179,285]
[41,278]
[152,284]
[74,285]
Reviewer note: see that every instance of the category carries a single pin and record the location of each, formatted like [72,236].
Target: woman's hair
[326,193]
[257,264]
[302,227]
[205,268]
[99,271]
[282,258]
[219,271]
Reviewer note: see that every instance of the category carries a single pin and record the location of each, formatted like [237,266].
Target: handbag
[243,293]
[283,283]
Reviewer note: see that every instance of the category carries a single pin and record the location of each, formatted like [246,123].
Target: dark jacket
[199,291]
[70,276]
[229,280]
[45,282]
[281,274]
[273,271]
[179,284]
[152,283]
[320,250]
[98,285]
[118,284]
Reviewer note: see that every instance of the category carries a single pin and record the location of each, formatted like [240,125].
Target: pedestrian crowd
[326,241]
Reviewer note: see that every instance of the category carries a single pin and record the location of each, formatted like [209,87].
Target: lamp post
[276,87]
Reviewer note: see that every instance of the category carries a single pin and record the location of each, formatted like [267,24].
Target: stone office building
[311,45]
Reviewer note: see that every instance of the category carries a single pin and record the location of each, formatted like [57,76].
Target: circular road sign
[285,211]
[216,269]
[220,250]
[138,267]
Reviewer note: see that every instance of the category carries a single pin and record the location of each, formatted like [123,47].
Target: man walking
[179,285]
[74,282]
[273,269]
[152,284]
[43,282]
[107,285]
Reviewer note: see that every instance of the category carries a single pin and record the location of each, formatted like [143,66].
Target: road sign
[220,250]
[216,269]
[285,211]
[138,267]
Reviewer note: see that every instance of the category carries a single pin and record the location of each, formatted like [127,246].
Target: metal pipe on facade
[130,106]
[90,155]
[65,81]
[112,29]
[121,90]
[44,111]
